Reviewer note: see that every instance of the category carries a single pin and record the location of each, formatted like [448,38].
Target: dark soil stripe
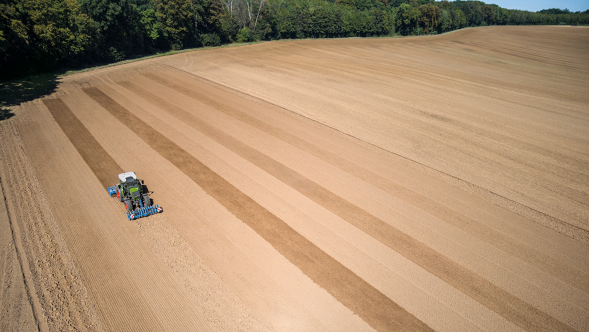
[372,306]
[514,248]
[490,295]
[99,161]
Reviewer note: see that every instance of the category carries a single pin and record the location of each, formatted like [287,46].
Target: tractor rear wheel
[146,200]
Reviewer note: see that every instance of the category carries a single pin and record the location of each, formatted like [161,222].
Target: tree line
[42,35]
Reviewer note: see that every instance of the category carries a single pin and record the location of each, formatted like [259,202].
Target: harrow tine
[144,211]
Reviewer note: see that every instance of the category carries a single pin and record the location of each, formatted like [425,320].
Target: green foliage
[118,23]
[407,19]
[364,4]
[39,35]
[430,18]
[555,11]
[324,19]
[460,20]
[447,21]
[212,17]
[115,55]
[177,20]
[152,26]
[348,3]
[210,39]
[244,36]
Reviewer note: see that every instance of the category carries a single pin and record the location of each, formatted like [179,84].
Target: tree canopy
[41,35]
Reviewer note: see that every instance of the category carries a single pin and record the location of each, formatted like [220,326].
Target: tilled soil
[431,183]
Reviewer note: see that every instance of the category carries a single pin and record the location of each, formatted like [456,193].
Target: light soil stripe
[533,257]
[99,161]
[575,197]
[495,298]
[372,306]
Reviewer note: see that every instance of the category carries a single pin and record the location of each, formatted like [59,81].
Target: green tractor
[134,194]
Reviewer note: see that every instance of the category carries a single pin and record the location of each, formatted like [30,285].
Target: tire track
[495,298]
[372,306]
[13,278]
[533,257]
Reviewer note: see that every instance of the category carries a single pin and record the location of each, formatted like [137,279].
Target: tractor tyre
[146,200]
[129,205]
[119,195]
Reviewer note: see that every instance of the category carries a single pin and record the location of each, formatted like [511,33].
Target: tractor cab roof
[124,177]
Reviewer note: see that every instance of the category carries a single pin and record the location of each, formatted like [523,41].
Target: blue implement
[145,211]
[112,190]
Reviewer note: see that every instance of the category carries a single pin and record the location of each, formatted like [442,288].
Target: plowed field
[430,183]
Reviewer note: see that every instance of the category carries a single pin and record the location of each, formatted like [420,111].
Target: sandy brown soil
[432,183]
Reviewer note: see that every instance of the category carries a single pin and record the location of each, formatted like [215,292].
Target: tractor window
[131,182]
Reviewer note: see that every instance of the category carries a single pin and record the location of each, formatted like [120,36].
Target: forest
[43,35]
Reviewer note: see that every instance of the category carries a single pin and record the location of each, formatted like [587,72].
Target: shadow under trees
[17,91]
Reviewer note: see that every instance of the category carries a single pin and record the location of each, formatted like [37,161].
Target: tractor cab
[127,177]
[129,186]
